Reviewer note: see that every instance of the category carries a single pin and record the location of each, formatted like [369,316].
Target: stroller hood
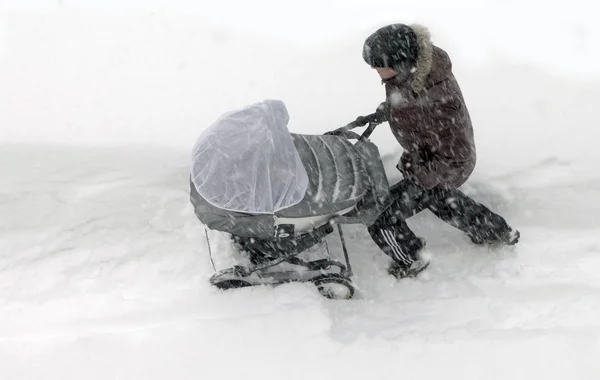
[247,162]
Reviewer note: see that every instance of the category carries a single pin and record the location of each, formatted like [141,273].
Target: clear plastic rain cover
[247,162]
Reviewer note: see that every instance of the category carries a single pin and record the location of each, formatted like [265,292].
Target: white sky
[552,34]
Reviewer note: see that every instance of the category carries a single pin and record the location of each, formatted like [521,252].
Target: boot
[402,270]
[507,237]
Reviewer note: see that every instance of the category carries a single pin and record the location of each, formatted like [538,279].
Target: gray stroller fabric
[246,161]
[339,176]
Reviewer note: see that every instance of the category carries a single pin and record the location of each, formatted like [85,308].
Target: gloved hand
[381,113]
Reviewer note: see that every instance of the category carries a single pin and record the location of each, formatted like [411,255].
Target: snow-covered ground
[104,268]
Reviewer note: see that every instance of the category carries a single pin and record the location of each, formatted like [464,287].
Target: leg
[406,200]
[477,221]
[393,236]
[396,240]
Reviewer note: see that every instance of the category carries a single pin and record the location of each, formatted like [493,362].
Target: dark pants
[394,237]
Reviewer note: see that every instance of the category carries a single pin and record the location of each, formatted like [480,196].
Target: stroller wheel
[231,284]
[334,286]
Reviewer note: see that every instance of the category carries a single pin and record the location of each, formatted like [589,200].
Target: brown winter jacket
[429,118]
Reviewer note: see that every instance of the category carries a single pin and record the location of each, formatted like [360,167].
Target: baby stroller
[279,194]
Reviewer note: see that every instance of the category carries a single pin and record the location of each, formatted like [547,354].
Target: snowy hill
[104,268]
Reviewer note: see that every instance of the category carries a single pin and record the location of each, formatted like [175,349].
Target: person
[427,114]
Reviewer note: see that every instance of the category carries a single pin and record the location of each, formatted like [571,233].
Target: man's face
[385,72]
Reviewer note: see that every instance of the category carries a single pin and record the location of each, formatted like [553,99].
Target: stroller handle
[373,120]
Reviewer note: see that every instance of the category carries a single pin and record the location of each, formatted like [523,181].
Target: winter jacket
[428,116]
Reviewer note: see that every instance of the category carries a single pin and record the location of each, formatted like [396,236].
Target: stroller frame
[242,276]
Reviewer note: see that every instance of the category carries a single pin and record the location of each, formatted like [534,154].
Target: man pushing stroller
[278,201]
[428,116]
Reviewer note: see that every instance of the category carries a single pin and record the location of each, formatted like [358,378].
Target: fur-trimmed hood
[433,65]
[424,59]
